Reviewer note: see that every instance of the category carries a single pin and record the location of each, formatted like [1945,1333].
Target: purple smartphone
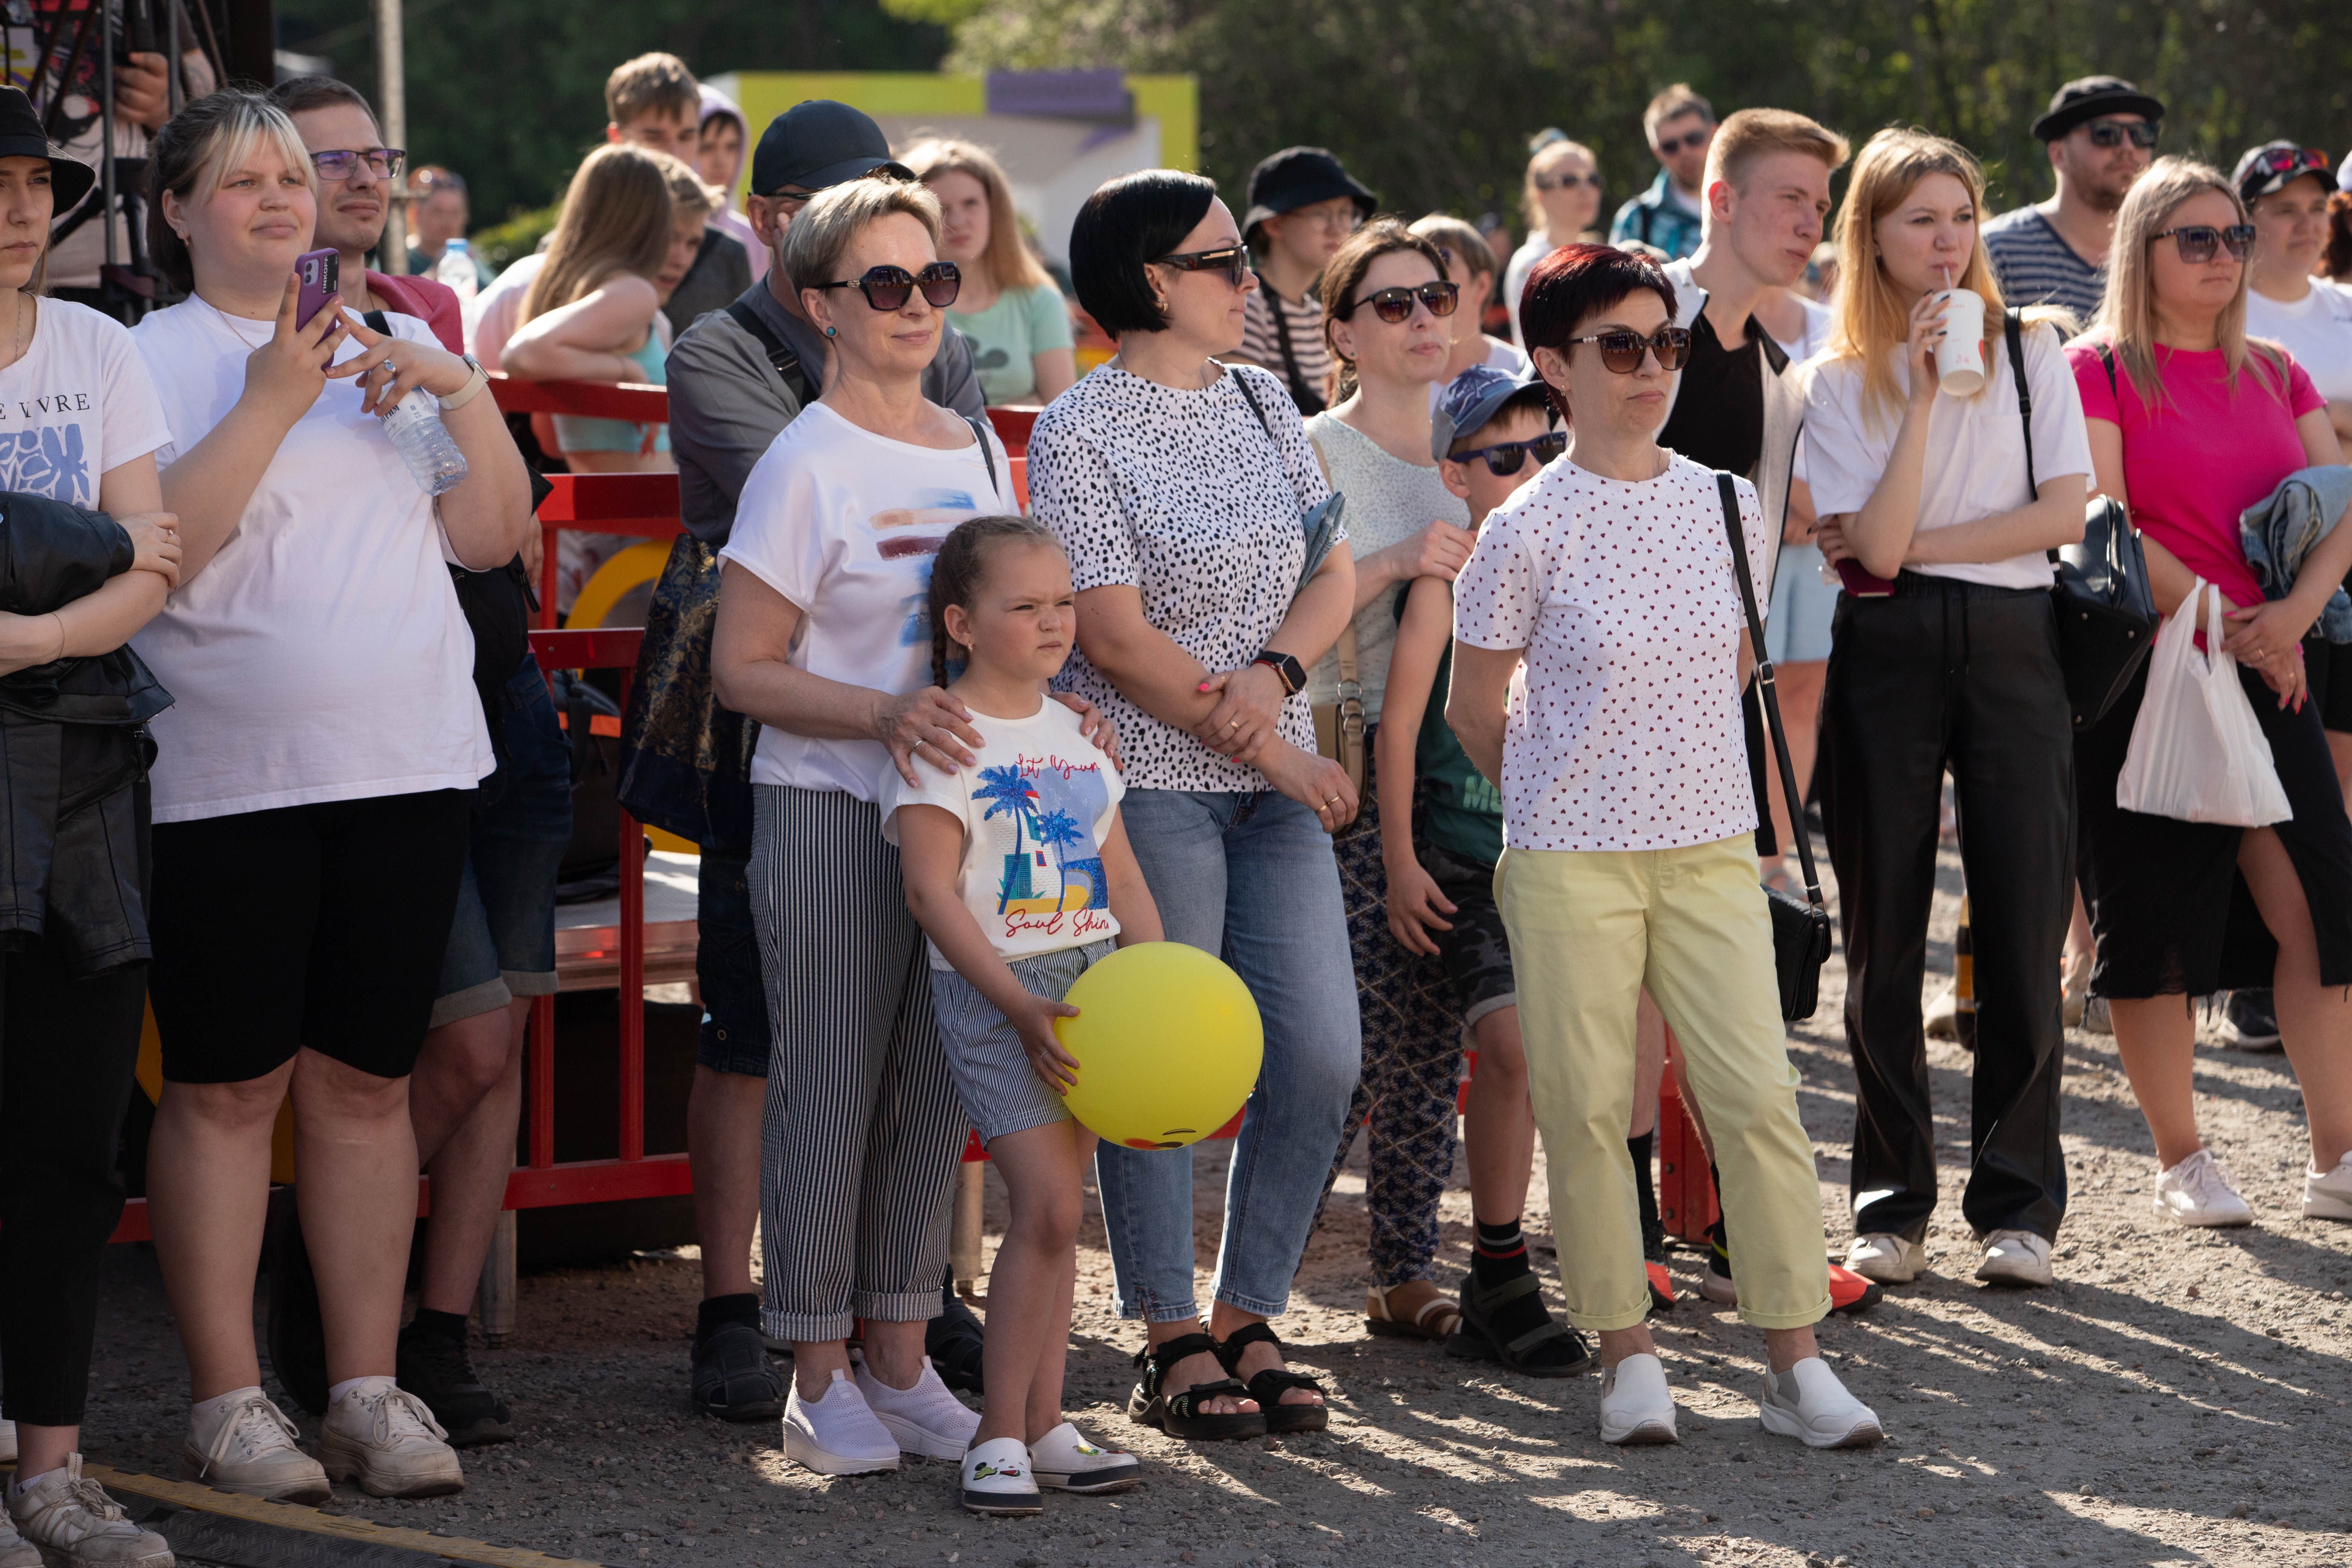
[322,275]
[1861,583]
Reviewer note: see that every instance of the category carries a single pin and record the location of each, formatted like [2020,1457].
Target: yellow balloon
[1168,1041]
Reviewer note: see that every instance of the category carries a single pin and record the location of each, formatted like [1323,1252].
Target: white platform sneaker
[1636,1405]
[1808,1403]
[72,1523]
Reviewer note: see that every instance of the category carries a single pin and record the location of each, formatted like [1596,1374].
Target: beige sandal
[1416,1309]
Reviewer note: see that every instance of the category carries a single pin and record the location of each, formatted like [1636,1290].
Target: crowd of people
[1413,670]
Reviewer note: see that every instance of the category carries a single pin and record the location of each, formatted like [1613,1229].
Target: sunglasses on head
[1622,350]
[1505,458]
[1395,305]
[1670,145]
[382,162]
[1232,261]
[2111,132]
[888,287]
[2197,241]
[1569,182]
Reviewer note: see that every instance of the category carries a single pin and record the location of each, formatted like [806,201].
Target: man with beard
[2101,132]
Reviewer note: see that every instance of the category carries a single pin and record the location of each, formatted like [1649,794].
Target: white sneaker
[251,1451]
[1887,1258]
[72,1523]
[2015,1257]
[1808,1403]
[927,1420]
[838,1434]
[2199,1191]
[1636,1405]
[1066,1462]
[997,1478]
[16,1552]
[2329,1195]
[385,1438]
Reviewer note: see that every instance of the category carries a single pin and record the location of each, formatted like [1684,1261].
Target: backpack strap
[781,358]
[377,324]
[2107,361]
[1255,407]
[987,453]
[2012,328]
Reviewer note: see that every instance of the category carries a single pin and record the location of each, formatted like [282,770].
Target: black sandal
[1474,1338]
[1179,1413]
[1268,1387]
[954,1341]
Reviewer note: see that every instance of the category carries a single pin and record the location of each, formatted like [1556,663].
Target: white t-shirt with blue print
[79,403]
[845,525]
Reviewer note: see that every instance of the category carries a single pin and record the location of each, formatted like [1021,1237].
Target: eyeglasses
[383,162]
[1569,182]
[1508,458]
[888,287]
[1622,351]
[1232,261]
[1346,219]
[2197,241]
[1395,305]
[2111,132]
[1670,145]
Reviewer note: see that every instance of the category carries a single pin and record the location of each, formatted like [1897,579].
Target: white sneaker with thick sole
[838,1434]
[1636,1405]
[997,1478]
[1887,1258]
[2328,1194]
[72,1523]
[928,1420]
[1808,1403]
[385,1440]
[2199,1191]
[1066,1462]
[251,1451]
[16,1552]
[2016,1257]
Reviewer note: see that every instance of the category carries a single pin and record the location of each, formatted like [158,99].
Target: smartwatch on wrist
[473,387]
[1286,669]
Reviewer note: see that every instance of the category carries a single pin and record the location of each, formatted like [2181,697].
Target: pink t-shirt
[2194,463]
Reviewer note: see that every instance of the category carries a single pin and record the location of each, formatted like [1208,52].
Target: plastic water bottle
[424,443]
[456,268]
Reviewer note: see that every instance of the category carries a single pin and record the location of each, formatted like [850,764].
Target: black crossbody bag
[1801,929]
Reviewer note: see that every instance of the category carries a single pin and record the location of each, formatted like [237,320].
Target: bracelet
[470,391]
[61,637]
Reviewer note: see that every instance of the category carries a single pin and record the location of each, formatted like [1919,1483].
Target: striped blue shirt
[2035,267]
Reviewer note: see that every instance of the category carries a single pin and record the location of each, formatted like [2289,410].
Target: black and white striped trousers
[862,1133]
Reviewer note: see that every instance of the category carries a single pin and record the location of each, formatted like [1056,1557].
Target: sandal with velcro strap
[1268,1387]
[1476,1339]
[1179,1413]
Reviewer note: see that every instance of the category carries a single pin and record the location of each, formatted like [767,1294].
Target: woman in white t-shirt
[1951,665]
[1600,649]
[313,793]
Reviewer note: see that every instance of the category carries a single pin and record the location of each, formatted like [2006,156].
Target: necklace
[20,330]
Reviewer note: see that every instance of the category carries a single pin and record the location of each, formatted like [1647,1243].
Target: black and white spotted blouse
[1185,497]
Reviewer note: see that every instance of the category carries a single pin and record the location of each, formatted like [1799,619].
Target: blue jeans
[1251,878]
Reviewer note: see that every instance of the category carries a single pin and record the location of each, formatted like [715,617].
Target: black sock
[1501,1254]
[440,1325]
[718,1309]
[1646,1186]
[1718,1240]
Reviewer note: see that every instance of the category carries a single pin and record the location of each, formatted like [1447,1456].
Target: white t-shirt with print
[845,525]
[2317,330]
[79,403]
[321,654]
[1036,807]
[1623,727]
[1975,465]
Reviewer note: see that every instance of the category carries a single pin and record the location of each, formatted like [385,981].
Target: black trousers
[1950,675]
[68,1048]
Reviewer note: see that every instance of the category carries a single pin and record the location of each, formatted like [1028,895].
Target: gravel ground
[2181,1397]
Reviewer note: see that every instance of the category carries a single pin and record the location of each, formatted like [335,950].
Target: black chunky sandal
[1179,1413]
[1268,1387]
[1475,1339]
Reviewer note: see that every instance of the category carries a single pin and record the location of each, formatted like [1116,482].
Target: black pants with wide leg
[1941,675]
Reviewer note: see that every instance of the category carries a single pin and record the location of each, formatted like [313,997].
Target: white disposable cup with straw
[1959,358]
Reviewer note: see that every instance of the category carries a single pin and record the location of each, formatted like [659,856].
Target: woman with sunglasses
[1629,818]
[2191,423]
[823,639]
[1944,657]
[1562,203]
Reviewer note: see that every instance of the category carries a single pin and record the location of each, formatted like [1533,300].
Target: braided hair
[961,566]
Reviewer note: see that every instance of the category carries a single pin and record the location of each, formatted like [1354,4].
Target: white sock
[24,1484]
[206,1415]
[377,1384]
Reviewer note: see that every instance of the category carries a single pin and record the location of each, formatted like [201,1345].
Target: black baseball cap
[21,137]
[2086,98]
[818,144]
[1297,177]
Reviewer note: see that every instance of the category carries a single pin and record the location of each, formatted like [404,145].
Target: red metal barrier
[631,401]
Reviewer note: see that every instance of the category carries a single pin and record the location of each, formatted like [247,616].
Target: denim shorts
[726,968]
[1475,953]
[502,943]
[1002,1092]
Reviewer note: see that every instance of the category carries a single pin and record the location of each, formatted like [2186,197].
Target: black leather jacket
[74,752]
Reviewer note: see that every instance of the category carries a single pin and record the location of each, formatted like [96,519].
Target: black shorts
[1476,954]
[318,925]
[2328,666]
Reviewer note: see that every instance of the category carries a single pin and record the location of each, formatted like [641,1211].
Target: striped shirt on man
[2035,267]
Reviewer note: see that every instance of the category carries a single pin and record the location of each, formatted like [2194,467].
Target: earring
[830,331]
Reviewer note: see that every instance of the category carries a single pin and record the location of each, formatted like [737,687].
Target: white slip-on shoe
[2016,1257]
[2328,1194]
[16,1552]
[2199,1191]
[1066,1462]
[1636,1405]
[72,1523]
[838,1434]
[1808,1403]
[997,1478]
[384,1439]
[927,1420]
[251,1451]
[1887,1258]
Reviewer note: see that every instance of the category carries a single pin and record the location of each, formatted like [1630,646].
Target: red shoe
[1849,1291]
[1662,1287]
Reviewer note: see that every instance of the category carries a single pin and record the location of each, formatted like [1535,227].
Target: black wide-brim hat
[1299,177]
[20,137]
[2087,98]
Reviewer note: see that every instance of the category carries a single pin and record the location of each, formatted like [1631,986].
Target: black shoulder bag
[1310,403]
[1800,931]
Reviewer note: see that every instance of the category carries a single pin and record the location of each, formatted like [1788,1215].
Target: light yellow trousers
[1589,931]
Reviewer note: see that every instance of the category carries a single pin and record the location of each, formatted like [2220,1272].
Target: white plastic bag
[2197,753]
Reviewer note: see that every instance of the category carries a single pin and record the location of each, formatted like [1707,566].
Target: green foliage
[519,236]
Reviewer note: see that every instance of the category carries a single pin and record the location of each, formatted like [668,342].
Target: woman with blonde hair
[1017,320]
[1561,201]
[2192,422]
[1939,510]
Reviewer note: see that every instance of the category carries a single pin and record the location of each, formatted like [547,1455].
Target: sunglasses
[2111,132]
[1622,351]
[1232,261]
[888,287]
[1569,182]
[2197,241]
[382,162]
[1670,145]
[1395,305]
[1508,458]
